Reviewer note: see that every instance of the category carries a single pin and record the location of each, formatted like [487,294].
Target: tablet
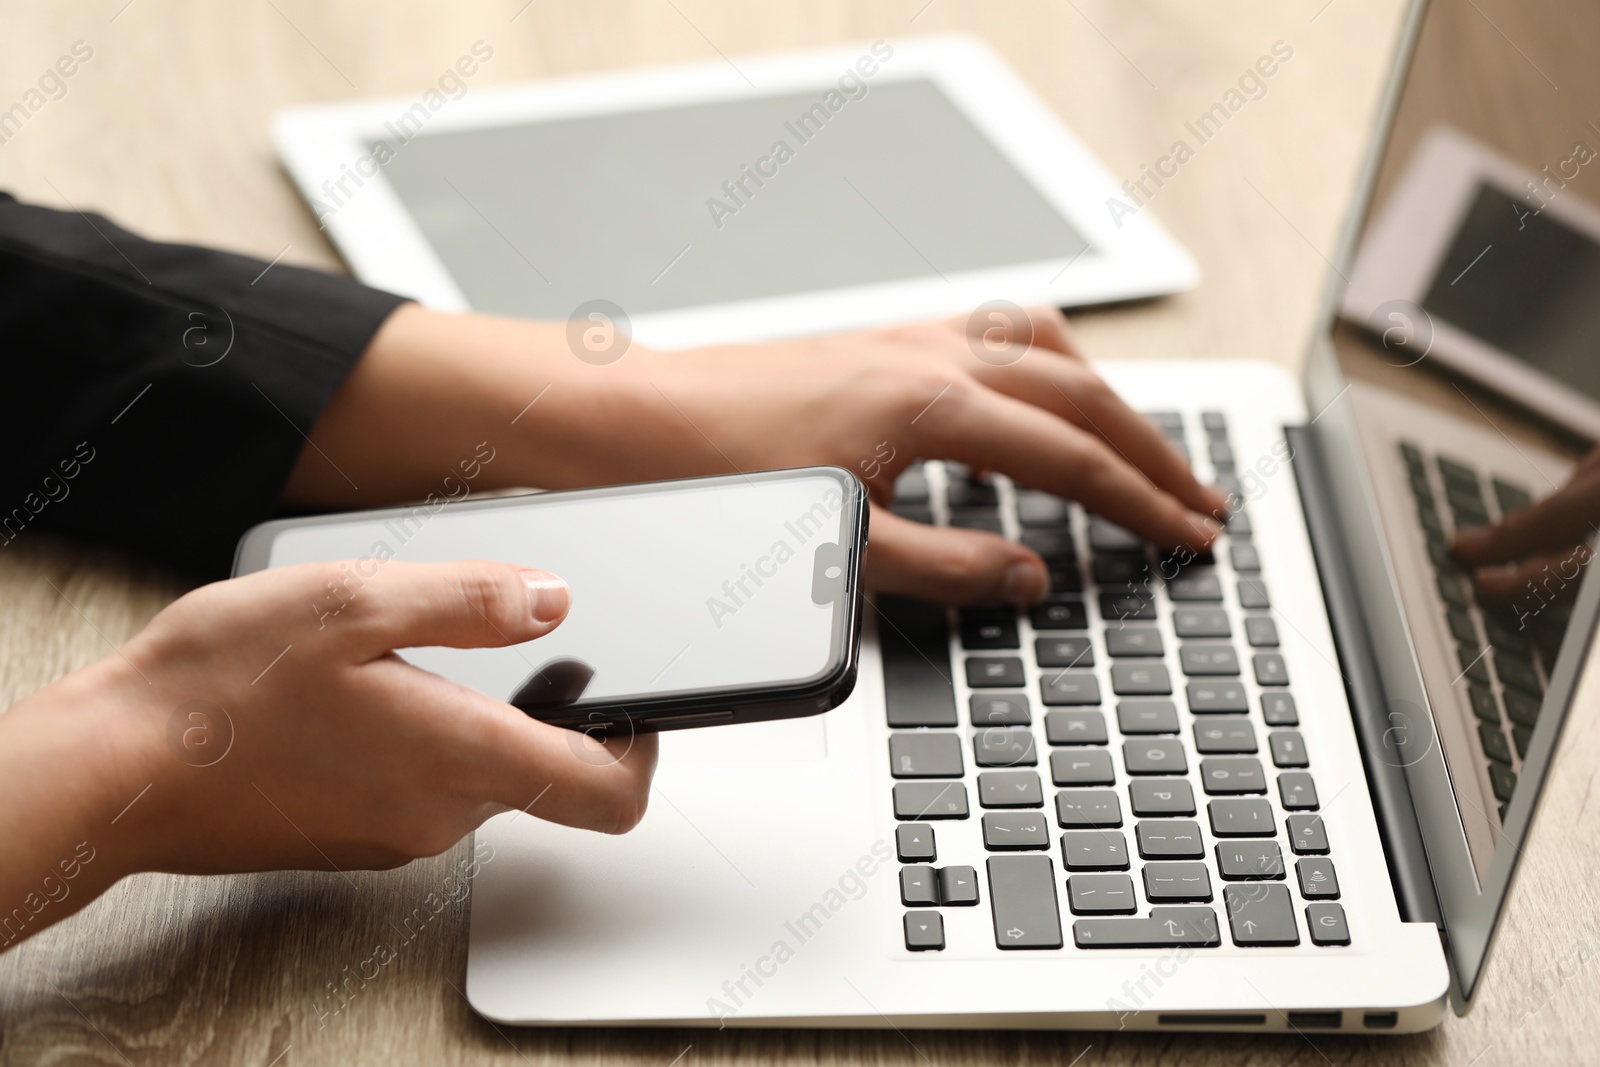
[733,201]
[1504,264]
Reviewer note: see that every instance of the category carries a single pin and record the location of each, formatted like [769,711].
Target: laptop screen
[1458,391]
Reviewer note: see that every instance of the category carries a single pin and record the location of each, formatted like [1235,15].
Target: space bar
[1022,896]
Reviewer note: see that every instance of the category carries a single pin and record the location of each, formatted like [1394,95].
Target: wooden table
[165,130]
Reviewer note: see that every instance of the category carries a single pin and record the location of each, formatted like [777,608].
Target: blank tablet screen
[732,200]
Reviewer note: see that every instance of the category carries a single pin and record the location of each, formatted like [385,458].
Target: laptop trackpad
[780,741]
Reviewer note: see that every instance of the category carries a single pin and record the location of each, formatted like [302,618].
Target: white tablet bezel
[1409,237]
[1128,258]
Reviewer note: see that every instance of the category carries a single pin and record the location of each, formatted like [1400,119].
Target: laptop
[1278,786]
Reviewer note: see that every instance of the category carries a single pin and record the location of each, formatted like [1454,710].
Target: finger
[1544,578]
[1083,398]
[991,431]
[512,761]
[467,604]
[1564,518]
[950,566]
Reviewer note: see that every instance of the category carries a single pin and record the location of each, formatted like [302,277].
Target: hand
[1542,548]
[432,385]
[301,740]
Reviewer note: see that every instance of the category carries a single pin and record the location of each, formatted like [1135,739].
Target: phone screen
[715,586]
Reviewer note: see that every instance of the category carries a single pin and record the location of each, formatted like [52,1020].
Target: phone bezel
[686,709]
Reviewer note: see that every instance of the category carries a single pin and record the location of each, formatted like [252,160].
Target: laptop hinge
[1397,817]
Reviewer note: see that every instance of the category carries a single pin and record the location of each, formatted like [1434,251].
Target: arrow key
[1261,914]
[915,843]
[958,886]
[924,931]
[918,886]
[1013,831]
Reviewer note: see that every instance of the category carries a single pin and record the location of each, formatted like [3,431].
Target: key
[918,887]
[1224,734]
[914,643]
[1288,748]
[1215,423]
[1169,839]
[1108,537]
[1053,543]
[1010,789]
[1063,576]
[1166,796]
[1307,835]
[1494,743]
[1277,709]
[1058,688]
[1040,509]
[1261,632]
[1022,899]
[999,709]
[1269,668]
[1517,672]
[995,672]
[912,486]
[1201,622]
[925,755]
[1101,894]
[1523,709]
[1129,606]
[1001,746]
[915,844]
[1133,641]
[1147,717]
[1451,588]
[1221,454]
[1249,860]
[1094,850]
[1244,557]
[930,800]
[972,492]
[1510,497]
[1081,766]
[1207,697]
[1169,881]
[1240,817]
[924,931]
[1238,524]
[1503,780]
[1206,660]
[958,886]
[988,628]
[1015,830]
[1191,927]
[1081,809]
[1120,570]
[1325,920]
[1064,652]
[1191,588]
[1169,422]
[1522,737]
[1317,878]
[1473,664]
[1261,915]
[971,519]
[1060,613]
[1297,791]
[1224,775]
[1253,594]
[1075,728]
[1154,755]
[1461,627]
[1140,679]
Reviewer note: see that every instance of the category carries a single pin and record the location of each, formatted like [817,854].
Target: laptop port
[1210,1019]
[1316,1020]
[1381,1020]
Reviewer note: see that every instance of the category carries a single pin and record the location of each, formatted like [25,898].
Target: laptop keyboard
[1504,655]
[1138,728]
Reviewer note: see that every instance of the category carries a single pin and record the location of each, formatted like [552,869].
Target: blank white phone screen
[707,587]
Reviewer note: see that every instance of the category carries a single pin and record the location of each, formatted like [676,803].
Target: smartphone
[695,602]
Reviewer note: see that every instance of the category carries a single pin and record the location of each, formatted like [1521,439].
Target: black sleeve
[157,396]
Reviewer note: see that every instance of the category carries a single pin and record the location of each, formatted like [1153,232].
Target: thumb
[466,604]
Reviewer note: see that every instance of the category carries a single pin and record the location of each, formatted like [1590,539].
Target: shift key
[1022,894]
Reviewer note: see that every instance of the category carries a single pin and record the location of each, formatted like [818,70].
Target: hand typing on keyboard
[1536,548]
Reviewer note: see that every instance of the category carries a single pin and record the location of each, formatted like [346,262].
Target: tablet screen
[1527,284]
[733,200]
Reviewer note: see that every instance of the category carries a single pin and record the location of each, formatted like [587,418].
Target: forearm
[67,773]
[433,389]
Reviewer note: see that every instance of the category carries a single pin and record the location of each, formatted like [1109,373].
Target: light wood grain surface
[165,130]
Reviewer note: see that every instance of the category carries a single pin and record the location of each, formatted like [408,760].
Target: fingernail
[548,596]
[1211,527]
[1024,583]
